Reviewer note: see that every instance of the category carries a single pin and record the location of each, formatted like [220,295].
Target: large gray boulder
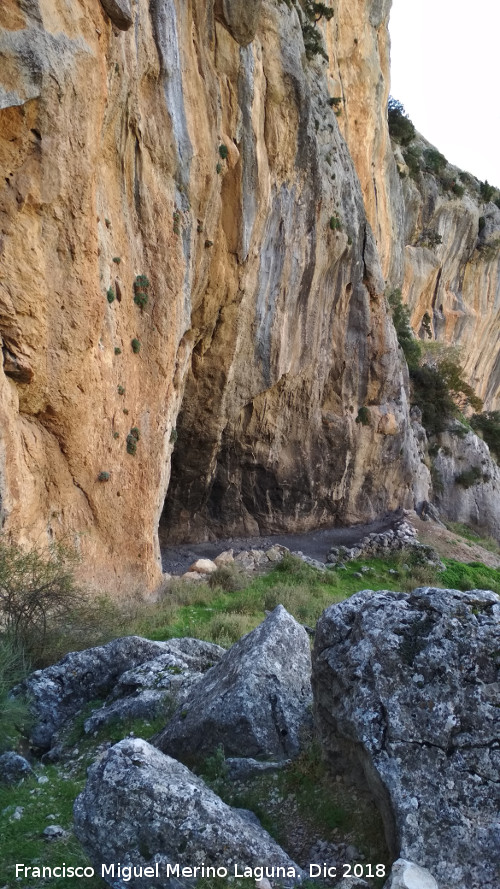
[407,695]
[143,808]
[122,668]
[255,701]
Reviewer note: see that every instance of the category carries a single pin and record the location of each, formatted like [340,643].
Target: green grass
[223,617]
[22,841]
[470,576]
[469,534]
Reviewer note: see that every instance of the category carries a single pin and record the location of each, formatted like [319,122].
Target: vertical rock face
[457,281]
[467,481]
[187,267]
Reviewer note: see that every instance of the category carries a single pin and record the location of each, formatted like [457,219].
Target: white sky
[445,69]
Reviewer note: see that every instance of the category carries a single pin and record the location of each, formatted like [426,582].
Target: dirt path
[316,544]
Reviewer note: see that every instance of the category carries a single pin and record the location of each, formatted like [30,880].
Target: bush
[486,191]
[401,128]
[37,588]
[469,477]
[335,223]
[462,394]
[426,324]
[363,416]
[435,162]
[223,152]
[136,345]
[431,238]
[313,43]
[405,335]
[316,11]
[141,286]
[488,425]
[430,392]
[412,157]
[14,711]
[229,578]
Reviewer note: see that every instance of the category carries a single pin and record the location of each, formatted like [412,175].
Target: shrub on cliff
[401,128]
[488,426]
[438,388]
[404,332]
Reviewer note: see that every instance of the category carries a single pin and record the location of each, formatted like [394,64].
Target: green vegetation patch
[23,841]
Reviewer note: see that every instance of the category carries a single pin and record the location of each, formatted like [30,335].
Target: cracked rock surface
[407,694]
[255,701]
[138,676]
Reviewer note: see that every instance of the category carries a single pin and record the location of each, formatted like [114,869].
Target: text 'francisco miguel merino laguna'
[127,872]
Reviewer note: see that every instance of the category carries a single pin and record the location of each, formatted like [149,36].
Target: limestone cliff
[456,281]
[192,300]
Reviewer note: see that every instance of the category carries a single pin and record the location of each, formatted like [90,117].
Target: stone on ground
[407,875]
[203,566]
[59,692]
[13,768]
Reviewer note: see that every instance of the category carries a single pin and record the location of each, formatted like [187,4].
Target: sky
[445,69]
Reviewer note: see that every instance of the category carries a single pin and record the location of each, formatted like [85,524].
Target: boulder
[254,702]
[276,552]
[59,692]
[13,768]
[142,808]
[225,558]
[203,566]
[407,698]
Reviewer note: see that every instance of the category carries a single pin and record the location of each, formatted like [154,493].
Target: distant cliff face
[456,281]
[192,300]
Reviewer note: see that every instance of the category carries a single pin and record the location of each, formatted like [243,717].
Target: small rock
[54,832]
[275,553]
[225,558]
[17,813]
[241,768]
[43,779]
[13,768]
[193,577]
[203,566]
[407,875]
